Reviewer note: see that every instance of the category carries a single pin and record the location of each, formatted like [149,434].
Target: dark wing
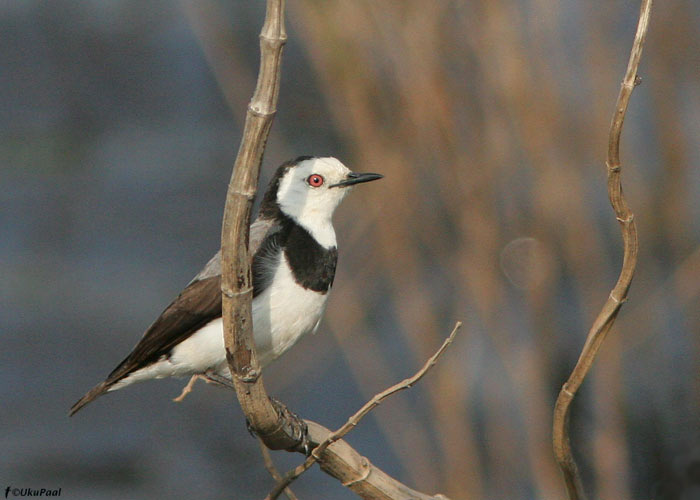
[198,304]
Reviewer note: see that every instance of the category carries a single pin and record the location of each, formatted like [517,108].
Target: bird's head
[309,189]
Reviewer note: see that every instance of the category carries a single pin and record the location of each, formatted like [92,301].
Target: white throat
[319,225]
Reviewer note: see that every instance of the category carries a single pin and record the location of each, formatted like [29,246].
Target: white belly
[282,314]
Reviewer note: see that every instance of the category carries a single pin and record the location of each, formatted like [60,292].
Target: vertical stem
[606,317]
[236,281]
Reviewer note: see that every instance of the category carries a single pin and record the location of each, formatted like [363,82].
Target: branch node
[231,294]
[248,194]
[365,475]
[249,377]
[616,300]
[255,111]
[281,39]
[627,220]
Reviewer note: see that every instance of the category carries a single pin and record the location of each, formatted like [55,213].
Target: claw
[249,426]
[306,442]
[296,427]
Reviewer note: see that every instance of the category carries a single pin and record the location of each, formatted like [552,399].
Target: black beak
[354,178]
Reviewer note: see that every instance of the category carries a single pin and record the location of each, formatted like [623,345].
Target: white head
[310,189]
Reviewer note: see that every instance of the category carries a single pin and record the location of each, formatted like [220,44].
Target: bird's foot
[294,426]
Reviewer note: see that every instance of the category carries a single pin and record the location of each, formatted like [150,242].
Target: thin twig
[270,466]
[187,389]
[606,317]
[359,415]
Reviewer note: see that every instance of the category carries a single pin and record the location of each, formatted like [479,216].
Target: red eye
[315,180]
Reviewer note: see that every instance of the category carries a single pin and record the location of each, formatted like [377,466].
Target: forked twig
[359,415]
[606,317]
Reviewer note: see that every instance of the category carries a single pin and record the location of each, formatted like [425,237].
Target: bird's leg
[209,377]
[214,378]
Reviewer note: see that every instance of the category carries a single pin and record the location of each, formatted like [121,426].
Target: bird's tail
[94,393]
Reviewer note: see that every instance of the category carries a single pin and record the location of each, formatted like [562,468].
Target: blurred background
[119,125]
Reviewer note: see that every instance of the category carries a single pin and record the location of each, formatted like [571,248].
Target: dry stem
[606,317]
[359,415]
[270,466]
[275,425]
[236,281]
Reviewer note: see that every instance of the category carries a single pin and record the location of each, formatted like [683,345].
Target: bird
[294,254]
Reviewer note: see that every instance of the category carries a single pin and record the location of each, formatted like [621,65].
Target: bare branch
[606,317]
[187,389]
[236,283]
[359,415]
[270,466]
[276,426]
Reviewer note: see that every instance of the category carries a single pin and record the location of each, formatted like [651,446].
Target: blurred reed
[489,121]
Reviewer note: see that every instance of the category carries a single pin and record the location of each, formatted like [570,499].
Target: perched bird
[294,251]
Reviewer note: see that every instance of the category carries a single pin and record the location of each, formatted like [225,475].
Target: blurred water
[116,151]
